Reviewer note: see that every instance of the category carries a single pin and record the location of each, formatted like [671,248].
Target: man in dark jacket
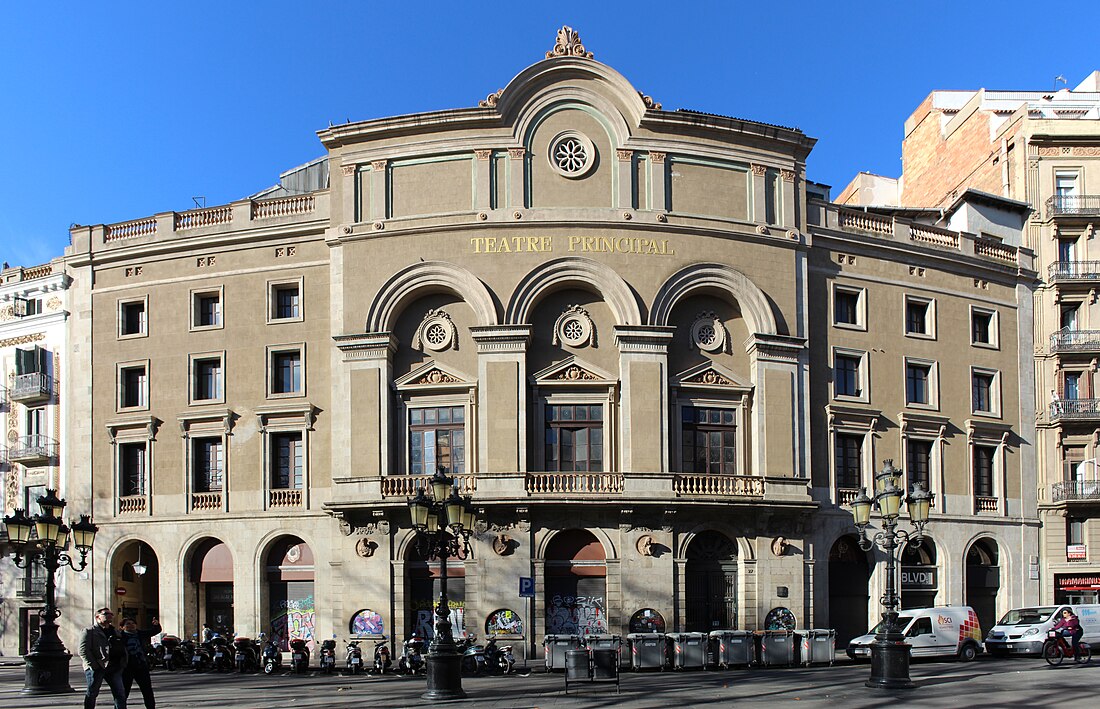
[104,658]
[137,664]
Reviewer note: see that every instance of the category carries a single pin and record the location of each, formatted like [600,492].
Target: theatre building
[612,323]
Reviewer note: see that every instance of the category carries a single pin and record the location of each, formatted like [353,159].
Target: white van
[948,631]
[1024,630]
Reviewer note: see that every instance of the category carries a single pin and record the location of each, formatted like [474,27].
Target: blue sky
[118,110]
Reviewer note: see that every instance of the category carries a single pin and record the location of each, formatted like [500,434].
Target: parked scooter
[299,655]
[382,660]
[473,656]
[326,657]
[499,659]
[221,658]
[412,656]
[244,654]
[168,652]
[272,656]
[200,654]
[353,657]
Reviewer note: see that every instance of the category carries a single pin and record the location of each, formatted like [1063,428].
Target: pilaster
[643,376]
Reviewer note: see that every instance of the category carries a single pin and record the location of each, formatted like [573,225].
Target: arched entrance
[135,580]
[849,573]
[919,575]
[422,587]
[983,581]
[576,584]
[710,583]
[290,606]
[211,587]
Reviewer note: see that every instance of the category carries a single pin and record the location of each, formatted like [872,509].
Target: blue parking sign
[526,587]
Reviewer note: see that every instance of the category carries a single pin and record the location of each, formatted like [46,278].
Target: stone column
[377,190]
[361,440]
[788,185]
[657,184]
[779,417]
[483,180]
[625,177]
[349,207]
[643,376]
[502,397]
[759,194]
[517,164]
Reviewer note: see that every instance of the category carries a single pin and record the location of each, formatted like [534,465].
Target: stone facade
[612,323]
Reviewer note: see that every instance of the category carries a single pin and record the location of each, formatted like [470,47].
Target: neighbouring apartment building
[34,317]
[655,355]
[1040,148]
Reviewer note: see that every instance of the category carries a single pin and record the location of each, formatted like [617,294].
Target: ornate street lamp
[443,523]
[889,653]
[47,664]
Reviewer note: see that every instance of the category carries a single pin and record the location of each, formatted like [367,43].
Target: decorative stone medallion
[575,328]
[571,154]
[708,333]
[437,332]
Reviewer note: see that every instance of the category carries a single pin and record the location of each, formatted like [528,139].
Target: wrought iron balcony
[1074,271]
[29,450]
[1075,409]
[31,587]
[32,387]
[1071,490]
[1075,341]
[1084,205]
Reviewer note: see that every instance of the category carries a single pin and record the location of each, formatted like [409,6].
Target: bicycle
[1057,648]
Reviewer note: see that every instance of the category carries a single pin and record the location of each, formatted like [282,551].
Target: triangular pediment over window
[434,375]
[573,371]
[709,375]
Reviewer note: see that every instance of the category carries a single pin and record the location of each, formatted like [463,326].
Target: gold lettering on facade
[575,244]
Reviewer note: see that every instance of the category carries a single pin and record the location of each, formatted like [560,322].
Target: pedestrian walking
[137,664]
[104,658]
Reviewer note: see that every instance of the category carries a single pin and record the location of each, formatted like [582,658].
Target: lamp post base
[444,671]
[889,664]
[47,673]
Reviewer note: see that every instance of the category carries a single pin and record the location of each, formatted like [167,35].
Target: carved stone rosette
[708,333]
[437,332]
[575,328]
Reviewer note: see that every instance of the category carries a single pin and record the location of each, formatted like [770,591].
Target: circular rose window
[571,154]
[708,333]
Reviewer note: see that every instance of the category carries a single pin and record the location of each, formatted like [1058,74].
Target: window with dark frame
[846,375]
[918,467]
[286,461]
[286,372]
[981,328]
[983,470]
[916,317]
[208,379]
[131,463]
[132,318]
[1075,530]
[287,302]
[982,392]
[574,437]
[916,383]
[708,440]
[437,440]
[133,381]
[849,460]
[845,307]
[207,463]
[208,309]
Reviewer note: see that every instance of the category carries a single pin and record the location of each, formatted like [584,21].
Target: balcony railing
[206,501]
[1075,490]
[985,504]
[132,504]
[1073,205]
[1075,341]
[407,485]
[1073,271]
[845,495]
[1077,409]
[718,485]
[573,483]
[32,449]
[32,387]
[31,587]
[288,497]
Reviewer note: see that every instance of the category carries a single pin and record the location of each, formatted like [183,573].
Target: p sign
[526,587]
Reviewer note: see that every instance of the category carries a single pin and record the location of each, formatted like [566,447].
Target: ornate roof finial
[568,44]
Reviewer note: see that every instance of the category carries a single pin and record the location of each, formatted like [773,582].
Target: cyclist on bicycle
[1070,625]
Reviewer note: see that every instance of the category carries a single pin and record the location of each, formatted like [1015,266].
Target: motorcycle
[382,660]
[473,656]
[326,657]
[499,658]
[244,655]
[353,657]
[168,652]
[412,656]
[220,657]
[272,656]
[200,654]
[299,655]
[1057,648]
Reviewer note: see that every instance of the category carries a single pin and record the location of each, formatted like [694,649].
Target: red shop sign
[1084,582]
[120,591]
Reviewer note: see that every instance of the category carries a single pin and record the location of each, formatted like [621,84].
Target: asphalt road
[1020,682]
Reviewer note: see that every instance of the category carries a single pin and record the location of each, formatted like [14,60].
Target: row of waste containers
[719,648]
